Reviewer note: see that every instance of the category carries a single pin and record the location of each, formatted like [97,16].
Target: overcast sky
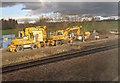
[14,9]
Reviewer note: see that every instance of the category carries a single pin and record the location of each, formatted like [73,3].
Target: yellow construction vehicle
[31,37]
[64,36]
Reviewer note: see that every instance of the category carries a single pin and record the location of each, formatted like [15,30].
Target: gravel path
[102,66]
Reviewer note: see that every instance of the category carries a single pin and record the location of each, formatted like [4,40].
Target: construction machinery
[31,37]
[36,37]
[65,36]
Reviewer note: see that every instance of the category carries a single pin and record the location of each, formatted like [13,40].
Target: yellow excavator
[64,36]
[31,37]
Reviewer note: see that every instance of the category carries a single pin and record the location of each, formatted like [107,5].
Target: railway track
[59,57]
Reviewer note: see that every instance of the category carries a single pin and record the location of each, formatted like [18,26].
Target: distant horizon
[37,17]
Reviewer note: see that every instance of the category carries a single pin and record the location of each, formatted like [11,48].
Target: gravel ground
[102,66]
[9,57]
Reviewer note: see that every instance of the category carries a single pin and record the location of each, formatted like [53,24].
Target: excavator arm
[73,28]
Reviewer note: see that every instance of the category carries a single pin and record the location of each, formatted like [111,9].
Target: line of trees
[8,24]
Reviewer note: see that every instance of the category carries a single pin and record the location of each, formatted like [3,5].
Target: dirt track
[102,66]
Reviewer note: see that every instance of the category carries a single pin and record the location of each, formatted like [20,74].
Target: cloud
[8,4]
[97,8]
[40,6]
